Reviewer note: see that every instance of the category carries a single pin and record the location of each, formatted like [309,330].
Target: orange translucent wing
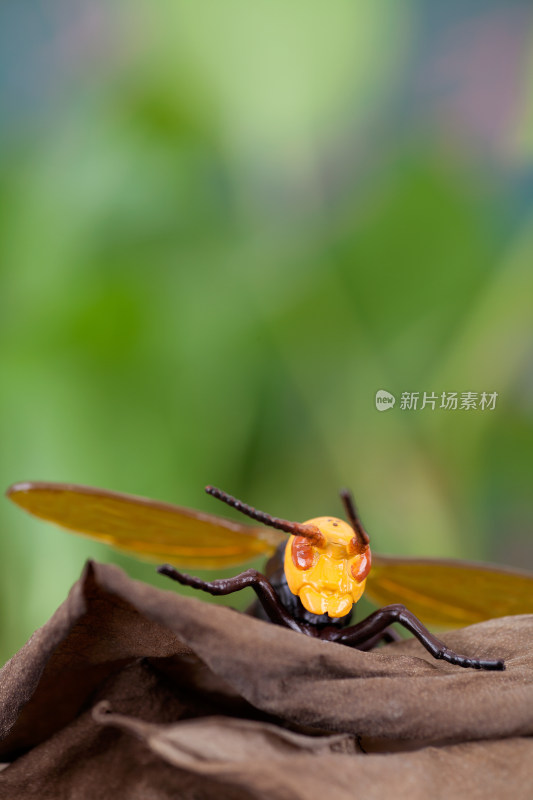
[450,593]
[148,528]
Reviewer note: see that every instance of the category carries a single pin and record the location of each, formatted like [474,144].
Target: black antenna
[353,517]
[295,528]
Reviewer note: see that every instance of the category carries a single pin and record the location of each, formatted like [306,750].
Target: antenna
[361,539]
[310,532]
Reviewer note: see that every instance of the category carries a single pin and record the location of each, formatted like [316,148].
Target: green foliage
[210,266]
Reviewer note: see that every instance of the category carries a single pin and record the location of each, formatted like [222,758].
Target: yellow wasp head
[326,560]
[328,572]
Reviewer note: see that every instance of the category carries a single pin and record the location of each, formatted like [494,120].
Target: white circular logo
[384,400]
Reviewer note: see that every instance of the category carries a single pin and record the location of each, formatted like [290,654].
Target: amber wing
[148,528]
[449,593]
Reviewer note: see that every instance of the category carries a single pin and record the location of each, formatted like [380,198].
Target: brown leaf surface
[207,702]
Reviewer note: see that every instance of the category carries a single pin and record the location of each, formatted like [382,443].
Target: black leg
[357,635]
[261,586]
[387,636]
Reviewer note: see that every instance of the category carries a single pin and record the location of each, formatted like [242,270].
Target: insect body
[314,578]
[326,564]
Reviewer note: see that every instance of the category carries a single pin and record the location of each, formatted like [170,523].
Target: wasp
[313,578]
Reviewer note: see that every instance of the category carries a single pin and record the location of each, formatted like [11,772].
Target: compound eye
[361,567]
[302,553]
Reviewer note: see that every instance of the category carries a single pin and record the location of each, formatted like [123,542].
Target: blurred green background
[224,227]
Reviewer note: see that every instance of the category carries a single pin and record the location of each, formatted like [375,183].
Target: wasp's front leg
[357,635]
[264,590]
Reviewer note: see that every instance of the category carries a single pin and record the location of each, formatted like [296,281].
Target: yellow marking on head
[328,585]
